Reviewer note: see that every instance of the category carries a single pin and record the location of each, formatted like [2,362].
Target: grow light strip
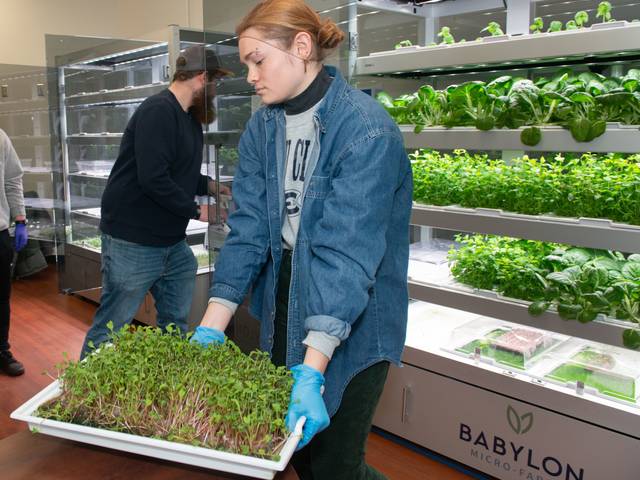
[114,55]
[140,59]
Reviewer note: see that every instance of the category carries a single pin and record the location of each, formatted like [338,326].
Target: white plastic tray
[165,450]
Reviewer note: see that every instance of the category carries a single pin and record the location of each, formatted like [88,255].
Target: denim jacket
[349,267]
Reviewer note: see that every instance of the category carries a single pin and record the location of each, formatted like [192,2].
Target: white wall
[224,15]
[225,19]
[24,23]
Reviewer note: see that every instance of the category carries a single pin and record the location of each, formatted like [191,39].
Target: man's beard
[202,108]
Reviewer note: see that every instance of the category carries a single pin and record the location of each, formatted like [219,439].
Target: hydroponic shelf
[617,138]
[491,304]
[600,42]
[586,232]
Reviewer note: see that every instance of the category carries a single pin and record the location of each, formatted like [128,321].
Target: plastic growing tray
[502,343]
[177,452]
[606,371]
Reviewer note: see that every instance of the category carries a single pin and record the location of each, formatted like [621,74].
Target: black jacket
[149,197]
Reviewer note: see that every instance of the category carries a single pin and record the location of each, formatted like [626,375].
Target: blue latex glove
[206,336]
[21,236]
[306,401]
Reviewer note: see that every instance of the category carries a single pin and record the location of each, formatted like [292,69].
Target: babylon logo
[520,424]
[506,455]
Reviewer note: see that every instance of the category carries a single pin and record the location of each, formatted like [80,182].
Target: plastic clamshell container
[428,261]
[92,243]
[97,167]
[165,450]
[502,343]
[605,370]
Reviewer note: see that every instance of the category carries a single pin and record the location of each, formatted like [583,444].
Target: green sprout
[494,29]
[604,12]
[555,26]
[403,43]
[157,384]
[581,18]
[445,34]
[537,25]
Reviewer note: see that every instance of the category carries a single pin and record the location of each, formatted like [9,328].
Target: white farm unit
[566,405]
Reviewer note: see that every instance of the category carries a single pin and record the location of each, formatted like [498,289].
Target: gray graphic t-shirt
[301,142]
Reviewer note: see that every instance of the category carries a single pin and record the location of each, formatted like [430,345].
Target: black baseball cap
[198,59]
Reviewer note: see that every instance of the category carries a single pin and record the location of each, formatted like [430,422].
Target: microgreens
[157,384]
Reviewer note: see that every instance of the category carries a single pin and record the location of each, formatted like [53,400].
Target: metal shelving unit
[99,89]
[88,175]
[623,139]
[38,170]
[591,233]
[617,138]
[603,42]
[431,371]
[98,93]
[120,95]
[585,232]
[26,117]
[493,305]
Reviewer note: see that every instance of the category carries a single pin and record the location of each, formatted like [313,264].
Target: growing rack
[410,405]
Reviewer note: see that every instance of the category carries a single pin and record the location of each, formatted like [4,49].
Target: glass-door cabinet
[26,117]
[100,84]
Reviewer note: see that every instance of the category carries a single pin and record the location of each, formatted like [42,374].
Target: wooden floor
[45,324]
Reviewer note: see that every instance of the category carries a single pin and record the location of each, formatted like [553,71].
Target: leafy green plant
[581,103]
[475,101]
[579,283]
[510,266]
[530,104]
[447,37]
[571,25]
[594,186]
[403,43]
[604,12]
[537,25]
[555,26]
[494,29]
[631,80]
[584,123]
[159,385]
[581,18]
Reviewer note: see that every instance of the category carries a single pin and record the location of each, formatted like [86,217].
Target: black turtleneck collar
[312,95]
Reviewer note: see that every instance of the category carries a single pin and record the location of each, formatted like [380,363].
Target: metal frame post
[518,17]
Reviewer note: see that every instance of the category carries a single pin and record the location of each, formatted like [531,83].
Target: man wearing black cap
[150,198]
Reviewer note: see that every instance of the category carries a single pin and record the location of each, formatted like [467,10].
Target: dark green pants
[337,452]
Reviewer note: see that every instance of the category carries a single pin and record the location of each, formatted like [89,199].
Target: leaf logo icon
[520,424]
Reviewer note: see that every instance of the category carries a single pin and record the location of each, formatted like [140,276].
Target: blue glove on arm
[21,236]
[206,336]
[306,401]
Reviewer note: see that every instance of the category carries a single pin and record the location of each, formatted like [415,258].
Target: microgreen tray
[493,347]
[596,370]
[177,452]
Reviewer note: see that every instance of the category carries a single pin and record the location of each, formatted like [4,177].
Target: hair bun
[329,35]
